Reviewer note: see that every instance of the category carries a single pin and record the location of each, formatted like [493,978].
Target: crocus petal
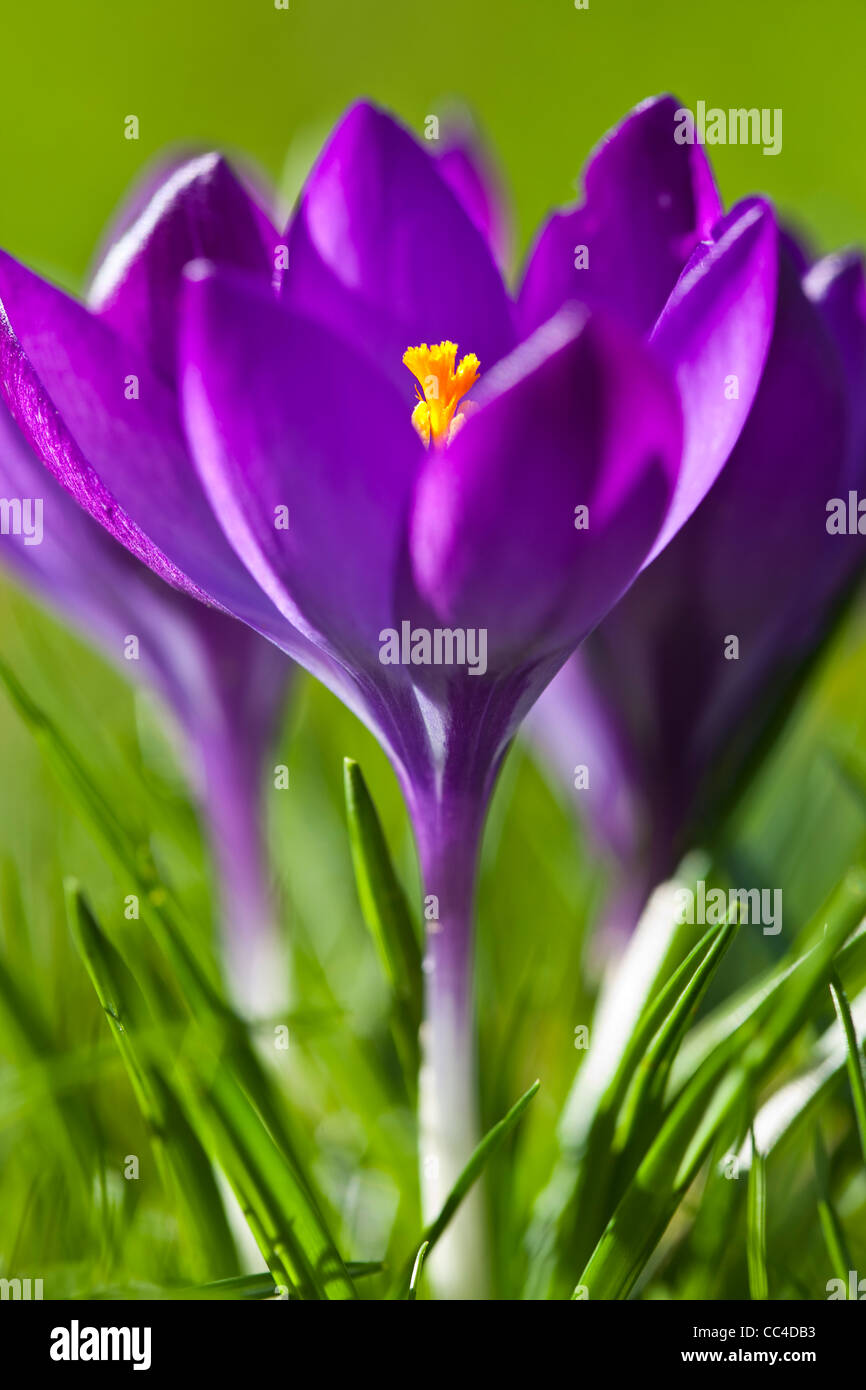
[200,210]
[837,285]
[79,571]
[714,334]
[752,562]
[197,658]
[277,420]
[383,251]
[790,458]
[75,567]
[578,415]
[648,203]
[71,563]
[469,172]
[796,249]
[64,376]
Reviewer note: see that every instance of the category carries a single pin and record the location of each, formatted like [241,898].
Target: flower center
[441,388]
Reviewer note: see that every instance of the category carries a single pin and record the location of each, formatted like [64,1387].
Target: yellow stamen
[441,388]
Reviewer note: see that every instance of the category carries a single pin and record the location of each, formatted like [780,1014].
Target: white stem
[448,1109]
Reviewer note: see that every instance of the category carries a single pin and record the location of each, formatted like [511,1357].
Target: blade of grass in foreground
[793,1106]
[128,852]
[243,1103]
[831,1226]
[717,1090]
[418,1266]
[655,953]
[632,1101]
[25,1035]
[386,914]
[288,1220]
[756,1225]
[635,999]
[644,1101]
[182,1162]
[241,1287]
[470,1175]
[754,998]
[855,1057]
[132,860]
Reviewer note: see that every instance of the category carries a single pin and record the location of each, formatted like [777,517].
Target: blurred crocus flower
[464,162]
[225,687]
[433,560]
[661,715]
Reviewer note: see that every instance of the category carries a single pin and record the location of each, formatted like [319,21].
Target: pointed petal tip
[653,103]
[364,118]
[840,269]
[647,202]
[750,222]
[153,193]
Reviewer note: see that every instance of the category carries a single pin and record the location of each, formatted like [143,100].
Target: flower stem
[448,840]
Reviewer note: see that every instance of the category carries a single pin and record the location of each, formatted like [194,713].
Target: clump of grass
[710,1143]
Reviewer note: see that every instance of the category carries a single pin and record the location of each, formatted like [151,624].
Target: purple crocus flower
[667,702]
[225,686]
[442,558]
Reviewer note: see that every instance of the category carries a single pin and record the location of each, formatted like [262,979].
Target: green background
[546,81]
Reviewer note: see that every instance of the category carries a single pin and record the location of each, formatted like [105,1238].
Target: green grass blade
[280,1196]
[116,991]
[752,1001]
[713,1095]
[182,1162]
[385,911]
[647,1090]
[582,1218]
[856,1074]
[237,1288]
[634,1000]
[244,1287]
[241,1286]
[756,1225]
[412,1292]
[794,1105]
[128,853]
[66,766]
[27,1037]
[132,860]
[469,1176]
[831,1227]
[474,1168]
[652,957]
